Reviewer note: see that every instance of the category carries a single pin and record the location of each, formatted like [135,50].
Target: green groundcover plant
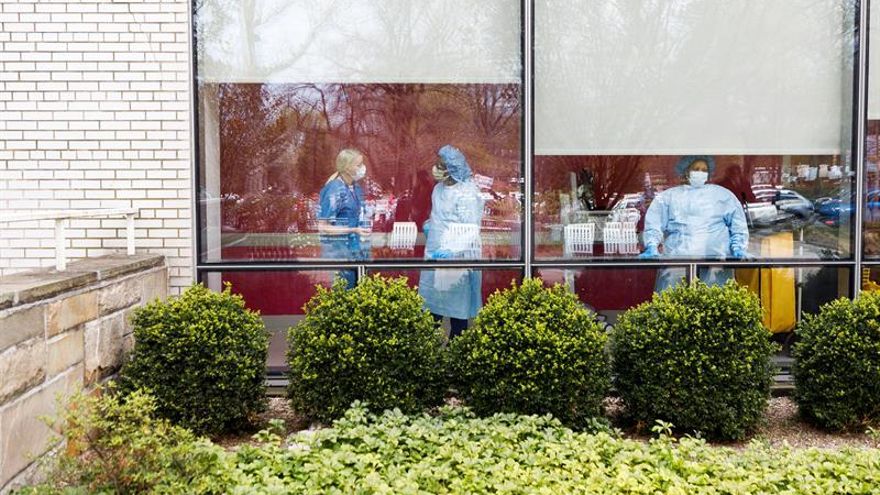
[533,350]
[114,443]
[695,356]
[374,342]
[455,452]
[837,364]
[202,356]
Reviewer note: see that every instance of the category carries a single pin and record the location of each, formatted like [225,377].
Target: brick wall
[95,113]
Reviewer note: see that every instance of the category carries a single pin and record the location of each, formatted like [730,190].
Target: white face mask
[360,173]
[696,178]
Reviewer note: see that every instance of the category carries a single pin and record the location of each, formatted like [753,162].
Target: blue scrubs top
[340,205]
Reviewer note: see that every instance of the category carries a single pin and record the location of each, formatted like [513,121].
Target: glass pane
[455,296]
[607,291]
[786,293]
[872,158]
[748,86]
[391,79]
[279,296]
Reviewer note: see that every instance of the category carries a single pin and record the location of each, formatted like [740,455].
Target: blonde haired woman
[340,207]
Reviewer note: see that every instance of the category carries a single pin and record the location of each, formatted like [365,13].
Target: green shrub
[837,363]
[697,357]
[114,444]
[533,350]
[203,357]
[374,342]
[456,453]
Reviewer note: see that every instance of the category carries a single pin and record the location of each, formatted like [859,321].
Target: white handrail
[62,221]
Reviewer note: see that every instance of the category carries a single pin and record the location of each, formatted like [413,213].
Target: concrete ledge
[28,287]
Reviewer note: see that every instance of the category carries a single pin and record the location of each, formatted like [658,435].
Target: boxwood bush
[533,350]
[837,363]
[203,357]
[374,342]
[697,357]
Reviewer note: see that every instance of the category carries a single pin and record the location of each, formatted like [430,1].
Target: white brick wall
[95,113]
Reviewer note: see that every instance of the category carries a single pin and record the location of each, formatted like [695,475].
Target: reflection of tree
[613,176]
[282,139]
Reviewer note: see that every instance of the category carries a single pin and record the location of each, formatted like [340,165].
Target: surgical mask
[697,178]
[360,173]
[439,175]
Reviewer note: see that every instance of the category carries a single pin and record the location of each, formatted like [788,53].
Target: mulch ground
[781,426]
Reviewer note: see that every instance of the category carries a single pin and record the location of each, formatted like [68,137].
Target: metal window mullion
[528,133]
[861,105]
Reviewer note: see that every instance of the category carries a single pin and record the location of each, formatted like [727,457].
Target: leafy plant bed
[450,451]
[456,452]
[781,426]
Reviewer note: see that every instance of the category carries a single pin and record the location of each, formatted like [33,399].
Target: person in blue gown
[452,232]
[341,210]
[695,220]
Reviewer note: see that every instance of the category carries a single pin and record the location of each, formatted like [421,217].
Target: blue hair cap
[687,161]
[455,163]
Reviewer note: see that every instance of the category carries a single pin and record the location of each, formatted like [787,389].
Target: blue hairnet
[455,163]
[686,161]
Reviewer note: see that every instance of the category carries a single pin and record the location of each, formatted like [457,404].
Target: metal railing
[62,222]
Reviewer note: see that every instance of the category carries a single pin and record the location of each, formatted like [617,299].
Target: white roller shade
[359,41]
[874,64]
[692,76]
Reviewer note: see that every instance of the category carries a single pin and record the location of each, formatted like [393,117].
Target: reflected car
[777,207]
[831,210]
[792,202]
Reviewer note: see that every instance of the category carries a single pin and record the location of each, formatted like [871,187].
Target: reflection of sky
[714,76]
[361,41]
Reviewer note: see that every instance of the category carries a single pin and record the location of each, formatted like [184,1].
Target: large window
[624,89]
[658,141]
[284,86]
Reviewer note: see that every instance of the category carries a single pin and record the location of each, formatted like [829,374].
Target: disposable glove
[650,252]
[741,254]
[440,254]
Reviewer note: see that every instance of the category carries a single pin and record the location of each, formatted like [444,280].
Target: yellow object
[775,286]
[867,283]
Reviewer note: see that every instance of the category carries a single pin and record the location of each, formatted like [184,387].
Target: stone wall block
[91,347]
[104,347]
[155,285]
[24,434]
[21,325]
[65,351]
[118,296]
[22,367]
[70,312]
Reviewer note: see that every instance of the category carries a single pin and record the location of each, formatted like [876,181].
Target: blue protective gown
[458,203]
[340,205]
[696,222]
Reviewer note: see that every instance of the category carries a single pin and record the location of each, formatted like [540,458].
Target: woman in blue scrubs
[340,209]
